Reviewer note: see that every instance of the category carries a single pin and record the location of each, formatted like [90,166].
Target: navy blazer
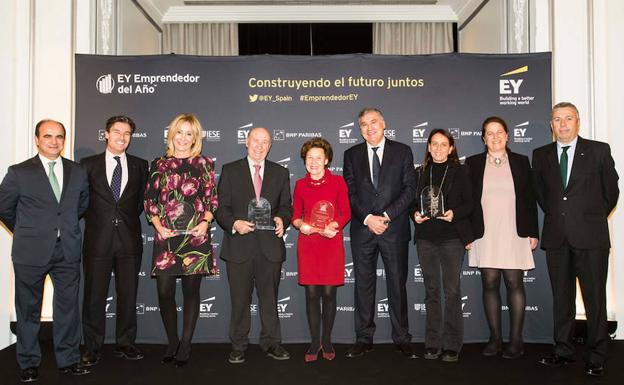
[30,210]
[235,191]
[526,206]
[105,216]
[395,193]
[579,213]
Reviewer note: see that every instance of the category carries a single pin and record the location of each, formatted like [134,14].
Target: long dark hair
[453,157]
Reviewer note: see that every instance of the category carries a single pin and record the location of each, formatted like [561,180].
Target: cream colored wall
[136,34]
[483,33]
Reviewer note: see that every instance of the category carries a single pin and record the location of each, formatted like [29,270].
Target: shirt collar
[572,144]
[45,160]
[111,156]
[252,162]
[379,145]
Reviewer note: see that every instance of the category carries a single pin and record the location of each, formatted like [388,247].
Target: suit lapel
[132,177]
[364,163]
[578,163]
[246,175]
[66,175]
[479,170]
[386,162]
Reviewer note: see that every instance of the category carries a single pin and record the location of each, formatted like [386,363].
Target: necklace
[497,161]
[433,195]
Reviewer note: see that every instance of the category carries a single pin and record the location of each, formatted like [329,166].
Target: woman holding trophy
[321,210]
[180,199]
[504,221]
[441,213]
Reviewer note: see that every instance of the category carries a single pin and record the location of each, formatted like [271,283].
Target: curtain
[412,38]
[207,39]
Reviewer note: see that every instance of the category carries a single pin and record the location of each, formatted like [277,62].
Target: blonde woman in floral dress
[180,200]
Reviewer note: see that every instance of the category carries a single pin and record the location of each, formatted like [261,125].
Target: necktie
[53,181]
[257,181]
[376,167]
[563,166]
[116,179]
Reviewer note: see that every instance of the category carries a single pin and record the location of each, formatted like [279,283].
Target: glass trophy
[182,225]
[321,215]
[432,202]
[259,213]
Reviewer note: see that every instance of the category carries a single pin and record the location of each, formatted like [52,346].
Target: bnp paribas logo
[105,84]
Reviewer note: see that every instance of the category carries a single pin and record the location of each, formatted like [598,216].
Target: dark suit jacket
[235,191]
[394,195]
[104,210]
[29,209]
[526,207]
[457,191]
[578,214]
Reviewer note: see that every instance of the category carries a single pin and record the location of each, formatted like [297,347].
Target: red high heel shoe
[329,355]
[311,357]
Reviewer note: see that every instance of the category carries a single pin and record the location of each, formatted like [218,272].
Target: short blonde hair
[196,128]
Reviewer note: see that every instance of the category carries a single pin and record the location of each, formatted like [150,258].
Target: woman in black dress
[180,200]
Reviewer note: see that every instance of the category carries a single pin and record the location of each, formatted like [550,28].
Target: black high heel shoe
[183,354]
[170,353]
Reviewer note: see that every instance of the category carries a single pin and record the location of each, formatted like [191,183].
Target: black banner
[298,98]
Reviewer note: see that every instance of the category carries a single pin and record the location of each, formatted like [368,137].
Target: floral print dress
[177,186]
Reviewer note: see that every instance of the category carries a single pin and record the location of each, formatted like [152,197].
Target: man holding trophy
[254,210]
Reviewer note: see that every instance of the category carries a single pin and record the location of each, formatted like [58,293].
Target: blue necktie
[376,166]
[116,180]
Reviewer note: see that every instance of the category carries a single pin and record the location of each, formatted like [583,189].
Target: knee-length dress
[321,260]
[175,183]
[500,247]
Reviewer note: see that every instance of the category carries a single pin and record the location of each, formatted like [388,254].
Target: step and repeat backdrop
[298,98]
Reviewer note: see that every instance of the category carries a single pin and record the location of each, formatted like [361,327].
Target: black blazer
[578,214]
[235,191]
[526,207]
[30,210]
[393,196]
[457,191]
[104,211]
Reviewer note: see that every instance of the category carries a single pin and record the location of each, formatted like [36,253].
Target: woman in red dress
[320,249]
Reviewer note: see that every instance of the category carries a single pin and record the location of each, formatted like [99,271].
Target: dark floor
[385,366]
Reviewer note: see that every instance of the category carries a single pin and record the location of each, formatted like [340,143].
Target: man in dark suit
[253,256]
[576,186]
[41,202]
[113,241]
[381,182]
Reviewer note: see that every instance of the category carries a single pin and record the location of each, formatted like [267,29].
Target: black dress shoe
[407,350]
[170,353]
[432,354]
[278,353]
[555,361]
[130,352]
[29,375]
[90,358]
[236,357]
[595,370]
[74,370]
[358,350]
[183,354]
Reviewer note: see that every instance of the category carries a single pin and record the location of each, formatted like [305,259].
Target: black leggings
[321,311]
[166,300]
[516,299]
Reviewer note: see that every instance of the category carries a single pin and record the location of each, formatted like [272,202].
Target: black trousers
[97,276]
[265,276]
[394,257]
[29,282]
[590,266]
[441,264]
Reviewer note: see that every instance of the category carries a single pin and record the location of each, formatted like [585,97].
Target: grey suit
[46,240]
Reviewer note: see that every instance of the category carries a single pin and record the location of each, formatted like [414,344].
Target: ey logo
[511,86]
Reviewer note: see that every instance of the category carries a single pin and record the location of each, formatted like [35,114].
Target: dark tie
[563,166]
[376,167]
[116,180]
